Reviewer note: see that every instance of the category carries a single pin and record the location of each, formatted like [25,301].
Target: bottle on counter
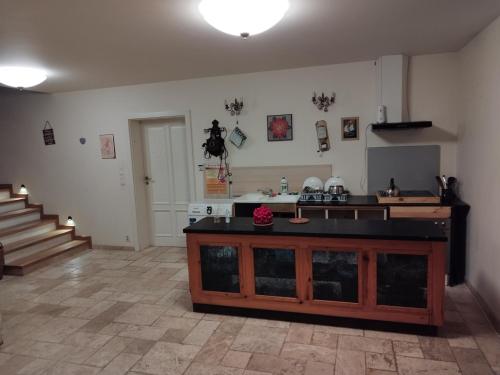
[284,185]
[228,216]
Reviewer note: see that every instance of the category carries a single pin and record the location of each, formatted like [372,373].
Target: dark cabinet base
[375,325]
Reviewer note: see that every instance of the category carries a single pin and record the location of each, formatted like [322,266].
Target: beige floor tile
[203,369]
[418,366]
[15,364]
[392,336]
[200,334]
[139,346]
[71,369]
[350,362]
[308,352]
[257,339]
[236,359]
[166,358]
[4,358]
[436,348]
[143,332]
[251,372]
[215,349]
[276,365]
[37,367]
[365,344]
[85,339]
[490,345]
[330,340]
[380,361]
[141,314]
[339,330]
[79,355]
[408,349]
[57,329]
[121,364]
[109,351]
[113,329]
[372,371]
[472,362]
[319,368]
[300,333]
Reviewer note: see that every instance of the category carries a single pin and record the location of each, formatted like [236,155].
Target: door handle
[148,180]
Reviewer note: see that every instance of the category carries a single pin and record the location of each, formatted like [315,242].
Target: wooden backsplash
[250,179]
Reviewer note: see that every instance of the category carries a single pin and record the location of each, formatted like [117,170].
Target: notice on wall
[215,187]
[48,134]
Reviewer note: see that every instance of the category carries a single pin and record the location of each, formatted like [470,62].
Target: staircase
[30,238]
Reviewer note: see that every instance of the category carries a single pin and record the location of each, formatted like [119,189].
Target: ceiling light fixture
[243,17]
[20,77]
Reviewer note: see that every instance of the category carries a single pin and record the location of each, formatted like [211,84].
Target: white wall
[479,158]
[72,179]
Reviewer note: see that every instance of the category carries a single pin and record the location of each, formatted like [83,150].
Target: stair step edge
[16,213]
[25,226]
[35,240]
[45,254]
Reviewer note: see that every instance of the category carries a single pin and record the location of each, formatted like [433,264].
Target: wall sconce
[23,190]
[323,102]
[234,107]
[70,222]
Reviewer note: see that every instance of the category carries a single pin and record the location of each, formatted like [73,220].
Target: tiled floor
[117,312]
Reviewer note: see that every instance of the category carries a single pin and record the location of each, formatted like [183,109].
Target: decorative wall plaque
[48,134]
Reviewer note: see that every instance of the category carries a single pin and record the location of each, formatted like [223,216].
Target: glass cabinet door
[402,280]
[274,271]
[220,270]
[335,276]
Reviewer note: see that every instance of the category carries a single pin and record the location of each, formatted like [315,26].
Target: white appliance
[209,208]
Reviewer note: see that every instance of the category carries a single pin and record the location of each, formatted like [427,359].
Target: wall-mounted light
[322,102]
[234,107]
[70,222]
[21,77]
[23,190]
[243,18]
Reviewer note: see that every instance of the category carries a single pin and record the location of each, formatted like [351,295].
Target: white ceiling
[102,43]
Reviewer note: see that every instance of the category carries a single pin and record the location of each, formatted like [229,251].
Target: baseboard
[487,310]
[112,247]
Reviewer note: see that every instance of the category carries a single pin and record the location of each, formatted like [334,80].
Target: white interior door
[167,180]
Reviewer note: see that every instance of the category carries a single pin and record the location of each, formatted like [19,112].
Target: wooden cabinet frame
[366,308]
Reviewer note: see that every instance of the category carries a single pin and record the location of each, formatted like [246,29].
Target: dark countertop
[371,200]
[331,228]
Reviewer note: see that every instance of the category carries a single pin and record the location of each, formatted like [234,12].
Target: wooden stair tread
[45,254]
[24,226]
[18,245]
[24,211]
[11,200]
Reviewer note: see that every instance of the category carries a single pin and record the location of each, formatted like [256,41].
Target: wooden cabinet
[343,212]
[400,281]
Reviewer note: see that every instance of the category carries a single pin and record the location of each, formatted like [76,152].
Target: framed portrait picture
[279,128]
[350,128]
[107,146]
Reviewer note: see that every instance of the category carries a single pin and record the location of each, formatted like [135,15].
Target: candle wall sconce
[322,102]
[234,107]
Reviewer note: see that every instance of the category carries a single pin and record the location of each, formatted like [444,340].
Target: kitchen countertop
[371,200]
[331,228]
[261,198]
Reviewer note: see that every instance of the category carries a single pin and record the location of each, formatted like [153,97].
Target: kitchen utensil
[445,183]
[299,220]
[392,190]
[440,182]
[314,183]
[336,189]
[334,181]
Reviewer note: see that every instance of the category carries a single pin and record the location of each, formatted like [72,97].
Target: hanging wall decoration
[48,134]
[237,137]
[279,128]
[107,146]
[322,102]
[350,128]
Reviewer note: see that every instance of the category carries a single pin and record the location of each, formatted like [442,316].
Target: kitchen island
[378,270]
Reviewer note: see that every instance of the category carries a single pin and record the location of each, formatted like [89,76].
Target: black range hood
[402,125]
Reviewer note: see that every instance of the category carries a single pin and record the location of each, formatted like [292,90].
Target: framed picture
[350,128]
[107,146]
[279,128]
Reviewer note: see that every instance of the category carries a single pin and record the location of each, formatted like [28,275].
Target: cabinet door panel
[275,273]
[335,276]
[220,268]
[402,280]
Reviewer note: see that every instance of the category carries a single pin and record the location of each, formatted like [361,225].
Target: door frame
[140,211]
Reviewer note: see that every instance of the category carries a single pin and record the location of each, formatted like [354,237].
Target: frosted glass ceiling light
[243,17]
[21,78]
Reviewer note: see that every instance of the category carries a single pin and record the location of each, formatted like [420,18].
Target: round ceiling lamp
[243,17]
[20,77]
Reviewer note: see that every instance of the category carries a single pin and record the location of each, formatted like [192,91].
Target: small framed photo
[107,146]
[350,128]
[279,128]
